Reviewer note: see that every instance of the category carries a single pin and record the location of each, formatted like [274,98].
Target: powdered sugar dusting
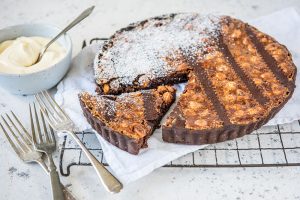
[106,106]
[140,54]
[99,104]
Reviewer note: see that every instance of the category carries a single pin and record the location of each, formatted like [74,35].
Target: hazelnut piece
[105,88]
[167,97]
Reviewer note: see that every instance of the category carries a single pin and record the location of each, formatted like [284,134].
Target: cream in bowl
[19,56]
[20,46]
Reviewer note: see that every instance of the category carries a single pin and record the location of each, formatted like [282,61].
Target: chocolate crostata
[237,77]
[127,120]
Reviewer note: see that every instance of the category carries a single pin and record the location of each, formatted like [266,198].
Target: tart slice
[128,120]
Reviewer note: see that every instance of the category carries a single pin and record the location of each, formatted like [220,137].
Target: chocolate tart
[237,77]
[128,120]
[236,88]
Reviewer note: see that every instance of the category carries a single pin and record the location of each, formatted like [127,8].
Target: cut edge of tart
[127,120]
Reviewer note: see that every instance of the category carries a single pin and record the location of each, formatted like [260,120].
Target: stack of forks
[31,146]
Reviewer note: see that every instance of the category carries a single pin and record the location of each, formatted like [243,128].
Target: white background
[164,183]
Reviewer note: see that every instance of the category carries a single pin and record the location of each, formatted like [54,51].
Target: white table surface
[23,181]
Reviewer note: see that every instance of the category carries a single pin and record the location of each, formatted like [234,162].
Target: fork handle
[111,183]
[67,193]
[57,190]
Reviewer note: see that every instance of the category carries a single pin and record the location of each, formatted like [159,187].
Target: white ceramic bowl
[41,80]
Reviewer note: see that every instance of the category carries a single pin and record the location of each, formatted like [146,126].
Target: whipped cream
[18,56]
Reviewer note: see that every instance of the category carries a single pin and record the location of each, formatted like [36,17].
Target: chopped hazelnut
[263,40]
[220,76]
[257,81]
[105,88]
[251,48]
[222,68]
[245,41]
[161,89]
[201,122]
[277,89]
[253,111]
[204,113]
[170,89]
[194,105]
[236,33]
[239,113]
[254,59]
[167,97]
[231,86]
[139,129]
[266,75]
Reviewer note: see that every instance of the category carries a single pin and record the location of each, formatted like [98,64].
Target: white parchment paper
[283,25]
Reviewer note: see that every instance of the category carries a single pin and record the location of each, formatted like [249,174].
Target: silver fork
[61,122]
[22,144]
[44,141]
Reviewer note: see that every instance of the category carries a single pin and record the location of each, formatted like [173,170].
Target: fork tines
[38,136]
[54,114]
[12,125]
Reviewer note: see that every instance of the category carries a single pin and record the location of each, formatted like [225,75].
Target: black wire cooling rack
[272,146]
